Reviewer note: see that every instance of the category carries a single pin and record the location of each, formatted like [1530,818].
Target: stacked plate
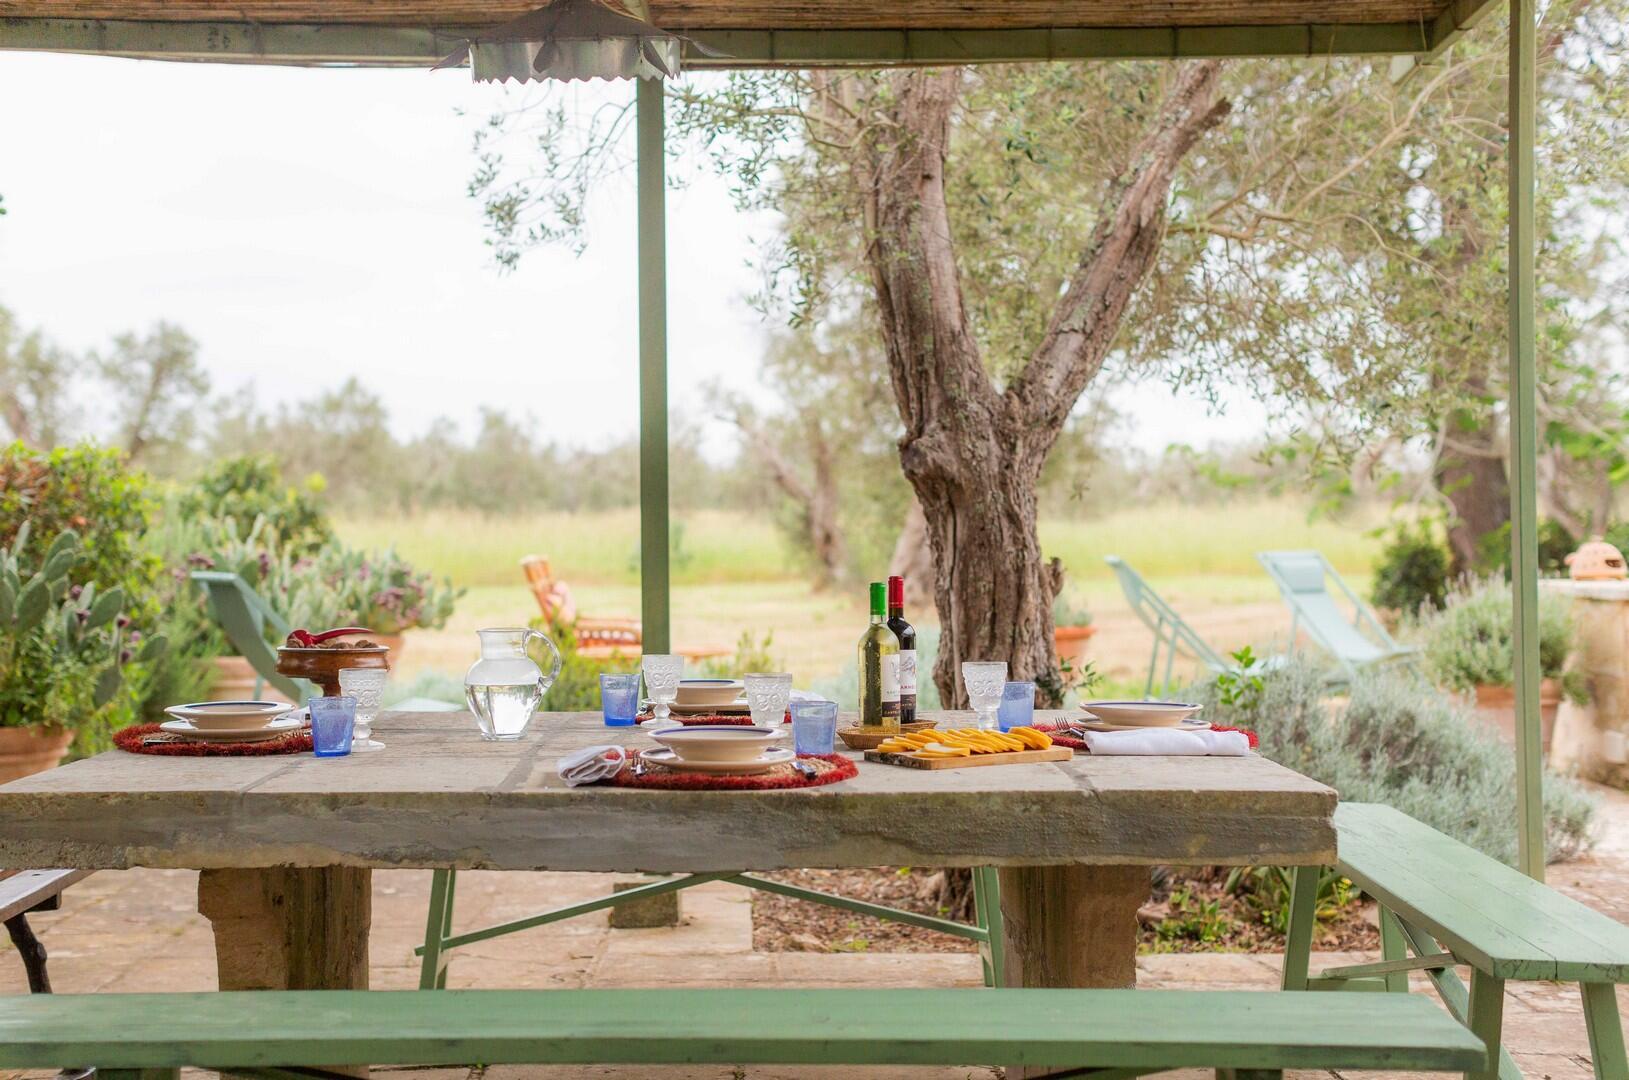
[233,721]
[720,750]
[1128,715]
[700,697]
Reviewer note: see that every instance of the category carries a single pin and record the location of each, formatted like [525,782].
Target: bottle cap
[896,591]
[877,591]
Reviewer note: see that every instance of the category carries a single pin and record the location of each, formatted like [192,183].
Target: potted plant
[1469,647]
[62,648]
[1071,628]
[384,592]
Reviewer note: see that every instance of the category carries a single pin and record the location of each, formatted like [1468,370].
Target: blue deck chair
[1171,635]
[1356,641]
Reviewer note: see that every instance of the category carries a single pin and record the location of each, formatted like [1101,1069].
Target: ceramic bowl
[322,666]
[1141,713]
[723,743]
[234,715]
[708,691]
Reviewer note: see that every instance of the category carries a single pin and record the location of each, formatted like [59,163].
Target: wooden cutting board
[1011,757]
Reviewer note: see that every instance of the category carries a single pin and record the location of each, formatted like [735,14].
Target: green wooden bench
[1103,1034]
[1448,904]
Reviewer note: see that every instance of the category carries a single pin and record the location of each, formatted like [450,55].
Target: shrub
[250,489]
[63,647]
[89,491]
[1400,742]
[1471,641]
[1412,573]
[1067,612]
[578,687]
[382,591]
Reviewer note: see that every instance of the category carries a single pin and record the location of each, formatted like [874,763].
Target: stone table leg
[289,928]
[1071,926]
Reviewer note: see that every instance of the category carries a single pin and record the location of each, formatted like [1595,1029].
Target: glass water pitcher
[505,685]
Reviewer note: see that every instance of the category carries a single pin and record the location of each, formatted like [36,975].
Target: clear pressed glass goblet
[662,674]
[366,685]
[985,680]
[767,695]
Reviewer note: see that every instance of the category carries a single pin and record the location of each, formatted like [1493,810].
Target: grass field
[716,547]
[734,574]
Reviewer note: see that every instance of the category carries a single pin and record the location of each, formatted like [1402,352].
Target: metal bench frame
[25,892]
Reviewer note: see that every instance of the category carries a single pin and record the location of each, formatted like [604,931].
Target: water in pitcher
[502,710]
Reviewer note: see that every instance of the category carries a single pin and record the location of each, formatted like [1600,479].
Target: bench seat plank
[1490,915]
[23,890]
[1120,1028]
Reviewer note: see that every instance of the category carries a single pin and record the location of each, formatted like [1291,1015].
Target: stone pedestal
[1591,738]
[652,911]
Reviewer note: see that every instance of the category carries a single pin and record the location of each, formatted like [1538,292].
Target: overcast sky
[305,225]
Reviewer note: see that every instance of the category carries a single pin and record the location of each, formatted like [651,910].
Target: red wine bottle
[906,633]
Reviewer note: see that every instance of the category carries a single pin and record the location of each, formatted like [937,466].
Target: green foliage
[1555,543]
[1067,611]
[1396,741]
[89,491]
[1412,573]
[1268,890]
[1241,686]
[250,489]
[1471,641]
[63,647]
[1192,920]
[578,686]
[751,654]
[379,590]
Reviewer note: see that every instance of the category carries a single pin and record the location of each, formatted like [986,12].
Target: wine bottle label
[890,685]
[907,673]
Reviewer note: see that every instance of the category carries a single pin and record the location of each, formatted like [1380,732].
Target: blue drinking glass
[814,726]
[1017,707]
[619,698]
[333,720]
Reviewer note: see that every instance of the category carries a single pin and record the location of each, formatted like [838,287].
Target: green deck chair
[1171,635]
[1356,641]
[244,615]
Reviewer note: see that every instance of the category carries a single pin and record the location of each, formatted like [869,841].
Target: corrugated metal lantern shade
[570,39]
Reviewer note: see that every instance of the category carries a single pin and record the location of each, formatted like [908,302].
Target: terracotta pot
[235,681]
[1070,641]
[25,751]
[1496,707]
[322,666]
[394,643]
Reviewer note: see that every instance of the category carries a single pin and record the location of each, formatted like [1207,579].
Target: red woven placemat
[832,768]
[133,738]
[1075,743]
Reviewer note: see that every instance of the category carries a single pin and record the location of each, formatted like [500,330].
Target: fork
[809,771]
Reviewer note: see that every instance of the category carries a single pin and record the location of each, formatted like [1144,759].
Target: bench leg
[1299,926]
[438,928]
[1393,947]
[1605,1030]
[1486,1019]
[32,952]
[987,916]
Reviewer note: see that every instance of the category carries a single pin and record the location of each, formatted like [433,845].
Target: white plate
[229,715]
[187,730]
[661,755]
[1140,713]
[719,744]
[1190,724]
[736,708]
[709,692]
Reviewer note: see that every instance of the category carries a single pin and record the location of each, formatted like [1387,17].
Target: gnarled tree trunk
[973,453]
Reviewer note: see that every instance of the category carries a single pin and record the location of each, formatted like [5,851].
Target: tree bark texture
[973,453]
[1470,475]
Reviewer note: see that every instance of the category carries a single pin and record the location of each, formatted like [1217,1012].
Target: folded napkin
[592,763]
[1169,741]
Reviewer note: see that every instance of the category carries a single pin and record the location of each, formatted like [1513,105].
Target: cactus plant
[63,647]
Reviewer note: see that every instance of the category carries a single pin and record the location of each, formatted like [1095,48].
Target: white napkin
[1170,741]
[591,763]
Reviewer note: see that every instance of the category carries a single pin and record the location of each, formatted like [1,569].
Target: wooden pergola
[841,33]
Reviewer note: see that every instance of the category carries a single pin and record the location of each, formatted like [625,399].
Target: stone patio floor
[139,930]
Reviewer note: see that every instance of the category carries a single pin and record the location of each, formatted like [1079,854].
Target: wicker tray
[857,738]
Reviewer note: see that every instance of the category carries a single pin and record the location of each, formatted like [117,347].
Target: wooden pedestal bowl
[322,666]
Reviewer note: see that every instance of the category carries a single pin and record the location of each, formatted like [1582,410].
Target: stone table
[286,844]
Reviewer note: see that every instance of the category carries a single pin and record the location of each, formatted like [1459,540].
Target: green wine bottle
[879,668]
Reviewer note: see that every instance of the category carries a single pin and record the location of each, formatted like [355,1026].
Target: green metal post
[653,492]
[1524,440]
